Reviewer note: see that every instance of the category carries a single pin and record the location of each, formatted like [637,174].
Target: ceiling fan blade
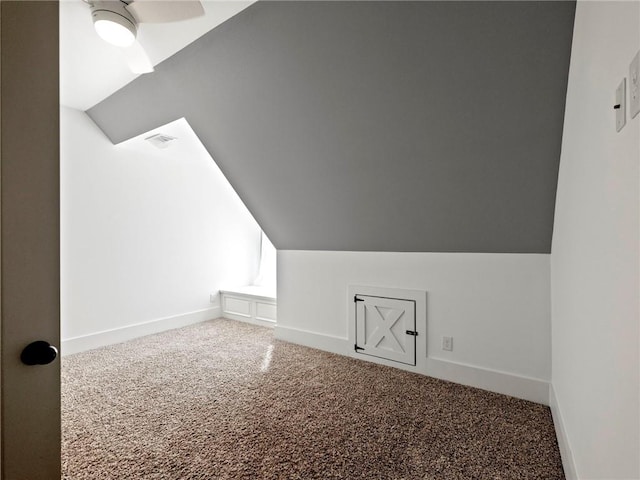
[164,11]
[137,59]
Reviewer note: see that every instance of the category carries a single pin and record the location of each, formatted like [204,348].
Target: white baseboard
[526,388]
[314,340]
[129,332]
[248,319]
[568,463]
[519,386]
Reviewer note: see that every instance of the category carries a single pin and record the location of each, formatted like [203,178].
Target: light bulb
[114,33]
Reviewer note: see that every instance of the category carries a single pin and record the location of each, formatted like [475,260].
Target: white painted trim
[526,388]
[320,341]
[258,293]
[252,297]
[129,332]
[248,319]
[568,462]
[519,386]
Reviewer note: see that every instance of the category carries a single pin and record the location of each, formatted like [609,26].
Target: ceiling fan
[116,22]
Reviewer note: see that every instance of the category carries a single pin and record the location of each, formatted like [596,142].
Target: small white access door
[386,328]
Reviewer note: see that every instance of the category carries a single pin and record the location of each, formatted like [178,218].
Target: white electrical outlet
[634,86]
[621,105]
[213,298]
[447,344]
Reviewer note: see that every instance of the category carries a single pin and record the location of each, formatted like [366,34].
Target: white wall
[146,234]
[496,306]
[594,261]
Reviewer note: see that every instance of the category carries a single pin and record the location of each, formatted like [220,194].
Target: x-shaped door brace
[384,322]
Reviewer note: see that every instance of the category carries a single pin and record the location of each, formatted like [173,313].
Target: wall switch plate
[634,86]
[621,104]
[447,344]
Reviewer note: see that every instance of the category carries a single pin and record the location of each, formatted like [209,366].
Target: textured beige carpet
[224,400]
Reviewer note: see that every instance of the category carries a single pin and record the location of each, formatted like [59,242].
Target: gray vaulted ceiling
[380,126]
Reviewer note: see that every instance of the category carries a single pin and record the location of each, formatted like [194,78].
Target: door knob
[38,353]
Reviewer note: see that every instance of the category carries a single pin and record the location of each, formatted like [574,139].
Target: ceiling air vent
[160,140]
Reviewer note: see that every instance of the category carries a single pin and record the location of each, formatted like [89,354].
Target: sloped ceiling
[379,126]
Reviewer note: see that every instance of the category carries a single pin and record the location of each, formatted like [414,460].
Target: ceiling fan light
[113,23]
[114,33]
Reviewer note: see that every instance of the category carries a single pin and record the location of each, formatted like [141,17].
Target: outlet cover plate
[634,86]
[447,344]
[621,113]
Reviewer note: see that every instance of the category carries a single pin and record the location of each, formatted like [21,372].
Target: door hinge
[356,347]
[356,299]
[411,332]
